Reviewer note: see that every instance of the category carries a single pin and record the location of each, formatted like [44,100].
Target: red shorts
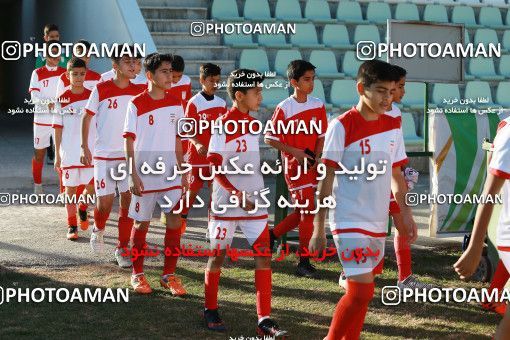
[394,207]
[301,195]
[195,181]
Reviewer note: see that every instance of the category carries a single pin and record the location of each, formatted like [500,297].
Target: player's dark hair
[120,52]
[154,60]
[50,44]
[50,27]
[399,72]
[177,63]
[373,71]
[75,62]
[242,80]
[85,43]
[297,68]
[209,70]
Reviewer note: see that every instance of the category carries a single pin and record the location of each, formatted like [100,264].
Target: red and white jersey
[182,89]
[109,75]
[43,86]
[91,80]
[108,104]
[395,113]
[290,111]
[153,124]
[70,111]
[362,204]
[140,79]
[222,148]
[199,108]
[500,166]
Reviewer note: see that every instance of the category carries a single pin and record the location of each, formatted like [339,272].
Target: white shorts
[352,249]
[77,176]
[142,207]
[222,232]
[42,135]
[103,181]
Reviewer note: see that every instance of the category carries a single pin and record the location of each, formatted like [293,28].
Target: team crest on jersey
[172,118]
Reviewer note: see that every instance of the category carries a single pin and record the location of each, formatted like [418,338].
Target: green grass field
[301,306]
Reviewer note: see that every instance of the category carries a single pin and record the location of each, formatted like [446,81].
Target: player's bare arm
[325,188]
[86,155]
[319,145]
[201,148]
[180,159]
[399,189]
[470,259]
[58,141]
[300,155]
[135,183]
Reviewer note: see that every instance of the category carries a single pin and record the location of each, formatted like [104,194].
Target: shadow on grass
[158,315]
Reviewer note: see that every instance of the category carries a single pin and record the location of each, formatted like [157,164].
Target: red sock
[403,253]
[124,225]
[263,287]
[139,236]
[287,224]
[354,332]
[100,219]
[71,215]
[305,231]
[185,207]
[350,311]
[83,206]
[80,190]
[37,171]
[172,241]
[212,281]
[500,278]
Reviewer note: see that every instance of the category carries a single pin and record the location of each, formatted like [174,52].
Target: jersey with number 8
[153,125]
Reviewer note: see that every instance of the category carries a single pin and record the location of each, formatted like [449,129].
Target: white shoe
[122,261]
[342,281]
[38,189]
[96,241]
